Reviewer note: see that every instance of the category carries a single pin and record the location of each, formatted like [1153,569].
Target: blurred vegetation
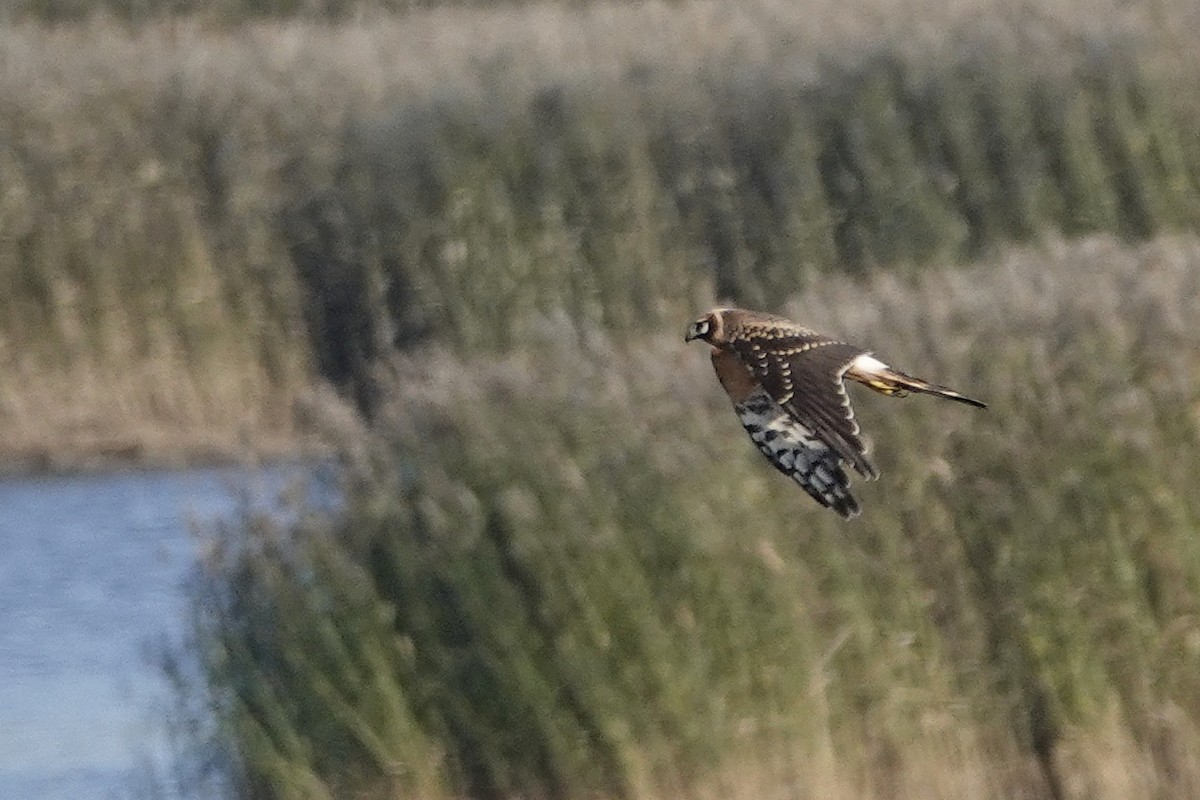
[565,573]
[561,570]
[199,219]
[225,12]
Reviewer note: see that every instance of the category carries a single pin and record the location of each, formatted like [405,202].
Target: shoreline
[65,460]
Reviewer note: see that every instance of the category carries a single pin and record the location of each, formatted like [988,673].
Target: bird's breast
[736,379]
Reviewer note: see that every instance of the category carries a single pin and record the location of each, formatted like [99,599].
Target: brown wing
[796,452]
[803,371]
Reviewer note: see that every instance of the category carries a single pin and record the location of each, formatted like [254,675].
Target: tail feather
[882,378]
[918,385]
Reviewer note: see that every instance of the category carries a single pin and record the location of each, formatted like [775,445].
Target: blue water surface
[92,573]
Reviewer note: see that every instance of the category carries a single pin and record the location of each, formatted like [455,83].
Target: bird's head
[709,328]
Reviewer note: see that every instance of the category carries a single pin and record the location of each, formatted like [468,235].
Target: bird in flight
[787,384]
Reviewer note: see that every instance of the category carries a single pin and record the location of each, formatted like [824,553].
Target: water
[91,584]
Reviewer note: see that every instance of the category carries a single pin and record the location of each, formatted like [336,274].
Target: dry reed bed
[565,572]
[198,218]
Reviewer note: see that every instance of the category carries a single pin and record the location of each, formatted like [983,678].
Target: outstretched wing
[804,373]
[797,452]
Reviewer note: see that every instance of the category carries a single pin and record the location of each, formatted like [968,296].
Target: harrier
[787,384]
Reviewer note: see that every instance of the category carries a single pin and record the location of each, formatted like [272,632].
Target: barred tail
[882,378]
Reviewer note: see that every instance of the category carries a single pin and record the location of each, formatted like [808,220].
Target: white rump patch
[867,364]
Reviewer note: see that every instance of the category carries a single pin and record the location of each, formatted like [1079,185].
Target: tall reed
[565,572]
[199,218]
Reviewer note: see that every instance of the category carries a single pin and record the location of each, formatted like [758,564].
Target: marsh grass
[564,572]
[199,218]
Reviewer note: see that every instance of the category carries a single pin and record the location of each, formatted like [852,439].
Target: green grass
[565,572]
[201,219]
[562,570]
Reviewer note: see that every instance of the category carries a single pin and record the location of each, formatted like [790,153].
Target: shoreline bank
[166,452]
